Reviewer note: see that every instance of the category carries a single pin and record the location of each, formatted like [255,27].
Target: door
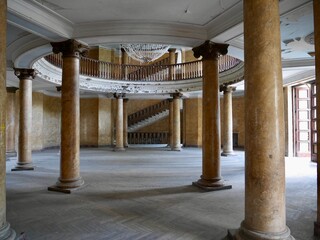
[302,120]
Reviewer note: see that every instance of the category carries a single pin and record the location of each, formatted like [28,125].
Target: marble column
[316,14]
[176,129]
[11,122]
[170,137]
[70,178]
[211,178]
[25,119]
[119,123]
[125,122]
[172,60]
[124,61]
[227,144]
[6,233]
[265,208]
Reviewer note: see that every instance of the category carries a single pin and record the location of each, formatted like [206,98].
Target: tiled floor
[145,193]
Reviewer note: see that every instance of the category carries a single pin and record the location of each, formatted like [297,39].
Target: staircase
[148,115]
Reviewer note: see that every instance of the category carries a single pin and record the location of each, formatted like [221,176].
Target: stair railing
[147,112]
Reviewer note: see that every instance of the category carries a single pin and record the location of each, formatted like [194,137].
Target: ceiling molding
[124,31]
[24,51]
[38,19]
[298,78]
[294,63]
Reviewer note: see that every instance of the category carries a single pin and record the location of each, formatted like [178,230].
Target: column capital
[170,99]
[210,50]
[70,48]
[58,88]
[176,95]
[172,50]
[12,89]
[25,73]
[227,88]
[119,95]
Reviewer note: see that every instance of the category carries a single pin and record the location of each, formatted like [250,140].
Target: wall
[192,121]
[51,121]
[37,121]
[89,124]
[105,122]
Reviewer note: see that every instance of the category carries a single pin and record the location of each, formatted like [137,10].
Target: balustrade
[156,72]
[148,137]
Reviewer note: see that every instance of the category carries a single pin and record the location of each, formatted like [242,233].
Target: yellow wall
[51,121]
[192,109]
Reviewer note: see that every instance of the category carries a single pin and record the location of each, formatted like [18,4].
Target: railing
[157,72]
[148,137]
[147,112]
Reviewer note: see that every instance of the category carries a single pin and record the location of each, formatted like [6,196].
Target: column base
[225,154]
[67,186]
[316,230]
[7,233]
[23,167]
[245,234]
[177,149]
[118,149]
[211,185]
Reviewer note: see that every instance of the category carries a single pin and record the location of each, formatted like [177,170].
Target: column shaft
[10,128]
[25,119]
[176,131]
[211,178]
[228,125]
[70,178]
[316,13]
[265,216]
[119,125]
[125,122]
[170,122]
[5,231]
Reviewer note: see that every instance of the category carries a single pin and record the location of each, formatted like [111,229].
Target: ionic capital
[25,73]
[70,48]
[176,95]
[210,50]
[119,95]
[227,88]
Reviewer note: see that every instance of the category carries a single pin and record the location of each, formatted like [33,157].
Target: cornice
[38,19]
[293,63]
[126,31]
[302,77]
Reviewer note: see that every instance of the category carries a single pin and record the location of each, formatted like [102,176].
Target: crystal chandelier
[144,52]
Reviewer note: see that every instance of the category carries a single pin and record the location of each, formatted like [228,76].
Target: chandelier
[144,52]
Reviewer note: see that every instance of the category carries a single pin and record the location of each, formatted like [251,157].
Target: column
[172,60]
[170,137]
[25,119]
[125,122]
[124,61]
[211,178]
[316,14]
[176,129]
[6,233]
[228,125]
[265,210]
[119,123]
[10,128]
[70,178]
